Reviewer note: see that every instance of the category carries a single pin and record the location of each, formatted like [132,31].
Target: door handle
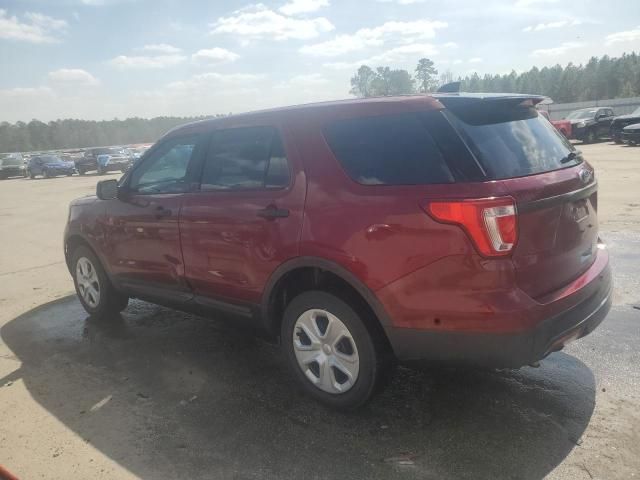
[272,212]
[160,212]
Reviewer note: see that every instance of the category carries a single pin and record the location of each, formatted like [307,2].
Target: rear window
[388,150]
[512,141]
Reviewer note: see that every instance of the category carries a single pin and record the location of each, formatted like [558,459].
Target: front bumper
[573,317]
[631,137]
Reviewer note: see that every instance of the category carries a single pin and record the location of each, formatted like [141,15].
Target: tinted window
[388,150]
[512,141]
[165,170]
[245,158]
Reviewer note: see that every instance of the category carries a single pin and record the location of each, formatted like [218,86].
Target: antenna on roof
[451,87]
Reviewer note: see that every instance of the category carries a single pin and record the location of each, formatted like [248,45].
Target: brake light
[491,223]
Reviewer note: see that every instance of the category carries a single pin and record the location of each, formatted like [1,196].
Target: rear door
[554,189]
[246,218]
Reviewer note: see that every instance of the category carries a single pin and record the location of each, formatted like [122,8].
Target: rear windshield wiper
[569,157]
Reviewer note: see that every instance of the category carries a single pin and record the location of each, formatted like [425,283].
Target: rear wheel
[31,174]
[81,171]
[590,137]
[94,289]
[331,352]
[45,173]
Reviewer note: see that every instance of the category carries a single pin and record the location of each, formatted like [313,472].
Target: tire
[590,137]
[93,287]
[31,175]
[81,171]
[100,170]
[359,377]
[69,174]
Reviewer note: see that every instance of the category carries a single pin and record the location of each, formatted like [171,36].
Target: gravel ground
[161,394]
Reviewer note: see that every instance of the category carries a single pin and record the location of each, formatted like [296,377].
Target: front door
[246,218]
[143,236]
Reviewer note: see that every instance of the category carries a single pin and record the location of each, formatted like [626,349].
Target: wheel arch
[304,273]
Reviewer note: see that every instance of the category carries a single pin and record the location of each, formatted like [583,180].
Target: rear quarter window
[512,142]
[387,150]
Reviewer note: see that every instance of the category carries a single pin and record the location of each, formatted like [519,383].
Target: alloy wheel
[325,351]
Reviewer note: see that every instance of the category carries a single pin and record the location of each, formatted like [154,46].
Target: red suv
[452,228]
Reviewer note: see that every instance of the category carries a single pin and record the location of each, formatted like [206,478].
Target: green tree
[426,75]
[361,82]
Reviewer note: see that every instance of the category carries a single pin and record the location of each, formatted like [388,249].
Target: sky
[104,59]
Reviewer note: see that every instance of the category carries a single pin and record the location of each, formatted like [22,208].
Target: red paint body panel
[425,275]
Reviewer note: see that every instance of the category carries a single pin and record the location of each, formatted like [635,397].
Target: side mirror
[107,189]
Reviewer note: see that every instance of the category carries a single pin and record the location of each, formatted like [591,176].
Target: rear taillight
[492,223]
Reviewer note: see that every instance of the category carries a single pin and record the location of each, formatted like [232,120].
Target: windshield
[581,114]
[512,142]
[10,161]
[50,158]
[107,151]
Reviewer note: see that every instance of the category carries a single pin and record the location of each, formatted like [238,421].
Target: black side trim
[161,292]
[534,205]
[222,306]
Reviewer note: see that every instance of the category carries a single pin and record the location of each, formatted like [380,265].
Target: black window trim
[197,183]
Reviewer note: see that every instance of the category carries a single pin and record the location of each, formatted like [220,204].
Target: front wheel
[80,171]
[333,355]
[45,174]
[95,291]
[590,137]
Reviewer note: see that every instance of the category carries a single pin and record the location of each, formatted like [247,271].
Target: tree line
[64,134]
[599,79]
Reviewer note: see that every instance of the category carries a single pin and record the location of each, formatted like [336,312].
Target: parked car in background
[11,165]
[112,159]
[563,126]
[620,122]
[591,124]
[631,134]
[49,166]
[448,228]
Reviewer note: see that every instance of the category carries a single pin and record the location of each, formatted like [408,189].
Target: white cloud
[72,77]
[258,21]
[402,2]
[450,45]
[558,24]
[125,62]
[211,79]
[34,28]
[296,7]
[475,60]
[556,51]
[160,48]
[626,36]
[214,55]
[398,32]
[456,62]
[397,55]
[528,3]
[311,81]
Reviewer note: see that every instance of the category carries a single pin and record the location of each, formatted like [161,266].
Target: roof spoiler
[451,87]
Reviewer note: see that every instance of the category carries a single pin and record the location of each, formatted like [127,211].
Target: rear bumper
[559,322]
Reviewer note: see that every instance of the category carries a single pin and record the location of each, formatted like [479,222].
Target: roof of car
[432,100]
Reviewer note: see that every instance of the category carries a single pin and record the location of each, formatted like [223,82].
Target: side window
[245,158]
[388,150]
[165,170]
